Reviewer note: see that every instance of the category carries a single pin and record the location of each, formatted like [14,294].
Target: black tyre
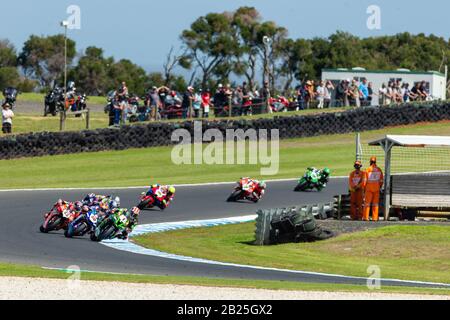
[106,234]
[144,205]
[42,229]
[53,224]
[301,186]
[235,196]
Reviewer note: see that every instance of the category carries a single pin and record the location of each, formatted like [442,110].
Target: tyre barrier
[297,224]
[160,134]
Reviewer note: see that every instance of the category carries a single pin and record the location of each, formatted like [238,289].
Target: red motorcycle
[152,199]
[58,218]
[246,190]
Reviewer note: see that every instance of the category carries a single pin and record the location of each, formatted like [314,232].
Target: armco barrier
[159,134]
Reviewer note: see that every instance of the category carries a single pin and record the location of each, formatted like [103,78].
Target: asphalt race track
[21,214]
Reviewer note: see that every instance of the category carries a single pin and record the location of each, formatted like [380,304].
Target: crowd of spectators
[165,103]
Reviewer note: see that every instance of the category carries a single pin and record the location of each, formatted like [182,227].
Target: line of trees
[216,48]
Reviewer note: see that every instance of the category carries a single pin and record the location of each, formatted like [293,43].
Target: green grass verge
[417,253]
[25,123]
[14,270]
[40,97]
[138,167]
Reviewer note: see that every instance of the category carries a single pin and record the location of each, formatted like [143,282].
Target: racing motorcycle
[313,179]
[56,219]
[82,102]
[245,191]
[154,198]
[54,102]
[83,224]
[110,227]
[10,95]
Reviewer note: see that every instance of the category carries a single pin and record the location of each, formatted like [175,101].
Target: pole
[358,147]
[387,184]
[65,65]
[88,119]
[446,82]
[230,107]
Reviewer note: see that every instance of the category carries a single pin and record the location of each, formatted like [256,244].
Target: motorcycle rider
[133,220]
[259,187]
[167,194]
[324,177]
[357,181]
[71,96]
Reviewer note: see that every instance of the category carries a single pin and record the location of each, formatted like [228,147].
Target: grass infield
[415,253]
[136,167]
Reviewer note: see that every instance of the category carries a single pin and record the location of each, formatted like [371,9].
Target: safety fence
[159,134]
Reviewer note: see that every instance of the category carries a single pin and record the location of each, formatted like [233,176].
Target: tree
[246,22]
[296,57]
[91,72]
[42,58]
[135,76]
[8,55]
[9,77]
[208,43]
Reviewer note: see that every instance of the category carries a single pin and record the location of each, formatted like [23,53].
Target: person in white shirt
[320,94]
[7,116]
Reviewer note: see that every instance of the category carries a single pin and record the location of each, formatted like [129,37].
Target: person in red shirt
[206,102]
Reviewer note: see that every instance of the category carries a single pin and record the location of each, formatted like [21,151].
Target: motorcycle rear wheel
[302,186]
[235,196]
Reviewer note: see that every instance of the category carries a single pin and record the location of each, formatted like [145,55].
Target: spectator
[320,94]
[405,92]
[371,93]
[265,94]
[163,93]
[301,97]
[196,104]
[220,100]
[310,93]
[123,95]
[206,102]
[7,116]
[155,104]
[424,95]
[382,94]
[354,94]
[341,93]
[188,99]
[364,92]
[390,96]
[329,88]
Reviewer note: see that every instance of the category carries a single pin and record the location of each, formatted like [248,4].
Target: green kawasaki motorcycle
[314,179]
[111,226]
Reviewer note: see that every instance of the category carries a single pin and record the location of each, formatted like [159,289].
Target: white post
[446,82]
[387,178]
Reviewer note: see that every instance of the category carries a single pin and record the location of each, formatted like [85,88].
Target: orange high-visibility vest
[357,179]
[375,179]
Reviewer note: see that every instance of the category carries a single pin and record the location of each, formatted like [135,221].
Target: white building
[436,81]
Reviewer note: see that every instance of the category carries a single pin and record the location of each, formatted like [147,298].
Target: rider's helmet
[171,190]
[78,205]
[117,201]
[89,198]
[113,205]
[104,204]
[326,172]
[263,185]
[60,202]
[85,209]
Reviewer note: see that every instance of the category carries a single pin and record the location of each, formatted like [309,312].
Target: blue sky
[145,30]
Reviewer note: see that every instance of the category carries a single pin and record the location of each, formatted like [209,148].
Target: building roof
[414,141]
[343,70]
